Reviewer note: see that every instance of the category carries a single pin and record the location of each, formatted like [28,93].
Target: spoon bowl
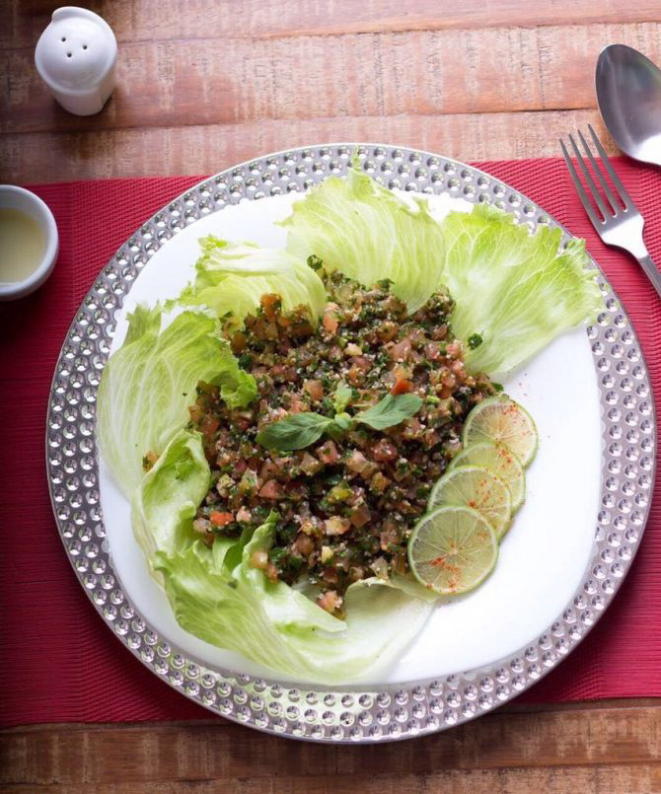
[629,95]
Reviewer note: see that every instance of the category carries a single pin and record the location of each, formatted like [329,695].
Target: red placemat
[60,663]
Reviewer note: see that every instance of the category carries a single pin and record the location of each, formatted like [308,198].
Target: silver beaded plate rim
[344,714]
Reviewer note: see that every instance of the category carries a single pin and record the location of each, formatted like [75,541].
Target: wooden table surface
[203,85]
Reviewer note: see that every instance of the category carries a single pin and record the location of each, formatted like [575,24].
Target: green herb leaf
[294,432]
[342,397]
[344,422]
[390,411]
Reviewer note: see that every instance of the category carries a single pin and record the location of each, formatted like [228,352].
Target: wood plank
[258,19]
[231,81]
[45,157]
[211,750]
[640,779]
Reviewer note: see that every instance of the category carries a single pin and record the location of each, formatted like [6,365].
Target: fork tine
[626,200]
[596,222]
[588,178]
[609,193]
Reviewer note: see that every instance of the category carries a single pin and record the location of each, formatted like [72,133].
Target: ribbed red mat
[59,662]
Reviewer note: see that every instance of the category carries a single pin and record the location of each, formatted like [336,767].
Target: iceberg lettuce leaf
[232,277]
[274,625]
[164,506]
[368,233]
[516,290]
[148,384]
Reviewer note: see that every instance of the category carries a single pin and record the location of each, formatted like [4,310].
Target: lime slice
[499,460]
[477,488]
[452,549]
[501,419]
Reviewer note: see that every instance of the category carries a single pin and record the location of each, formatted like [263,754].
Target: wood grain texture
[234,81]
[138,20]
[640,779]
[158,151]
[547,747]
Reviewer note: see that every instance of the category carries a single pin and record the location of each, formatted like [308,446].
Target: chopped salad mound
[345,504]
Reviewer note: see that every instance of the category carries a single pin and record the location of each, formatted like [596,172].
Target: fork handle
[651,271]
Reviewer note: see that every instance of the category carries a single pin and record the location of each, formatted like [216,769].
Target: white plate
[560,566]
[542,559]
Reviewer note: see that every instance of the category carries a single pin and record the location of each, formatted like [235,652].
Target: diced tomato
[389,535]
[327,453]
[458,367]
[304,545]
[219,519]
[431,438]
[413,428]
[314,388]
[384,451]
[355,376]
[271,490]
[454,348]
[330,601]
[417,337]
[364,363]
[357,461]
[271,304]
[432,351]
[401,351]
[297,405]
[269,470]
[239,341]
[271,331]
[239,467]
[330,321]
[243,514]
[208,426]
[387,331]
[402,386]
[360,516]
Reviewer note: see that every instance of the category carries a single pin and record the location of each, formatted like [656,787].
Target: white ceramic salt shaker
[76,57]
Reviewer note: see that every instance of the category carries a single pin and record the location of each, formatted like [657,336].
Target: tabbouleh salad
[348,502]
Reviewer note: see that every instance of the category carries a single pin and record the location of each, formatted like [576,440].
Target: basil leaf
[294,432]
[390,411]
[342,397]
[344,422]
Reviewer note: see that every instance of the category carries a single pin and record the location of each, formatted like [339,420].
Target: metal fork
[617,225]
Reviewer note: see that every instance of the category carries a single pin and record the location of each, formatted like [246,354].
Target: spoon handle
[651,271]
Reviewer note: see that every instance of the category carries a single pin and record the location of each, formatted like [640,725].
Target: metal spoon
[629,96]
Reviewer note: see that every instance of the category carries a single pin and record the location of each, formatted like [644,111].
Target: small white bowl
[12,197]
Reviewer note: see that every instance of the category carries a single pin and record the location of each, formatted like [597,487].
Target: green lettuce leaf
[164,506]
[148,384]
[216,595]
[232,277]
[370,234]
[517,290]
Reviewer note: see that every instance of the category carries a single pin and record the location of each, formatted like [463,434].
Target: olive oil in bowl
[22,245]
